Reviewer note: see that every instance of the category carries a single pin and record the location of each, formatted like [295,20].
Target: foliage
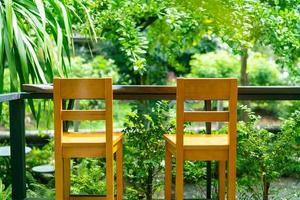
[222,64]
[5,193]
[153,36]
[263,72]
[144,146]
[36,189]
[88,176]
[284,17]
[41,156]
[194,171]
[143,37]
[246,24]
[262,155]
[5,169]
[290,132]
[99,66]
[34,36]
[4,119]
[214,65]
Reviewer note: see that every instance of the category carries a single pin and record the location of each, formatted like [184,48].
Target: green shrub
[262,71]
[88,176]
[290,134]
[41,156]
[144,147]
[97,67]
[214,65]
[262,156]
[5,192]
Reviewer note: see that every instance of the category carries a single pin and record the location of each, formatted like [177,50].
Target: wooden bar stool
[81,145]
[219,147]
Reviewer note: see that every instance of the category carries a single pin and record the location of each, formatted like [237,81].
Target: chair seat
[92,139]
[200,141]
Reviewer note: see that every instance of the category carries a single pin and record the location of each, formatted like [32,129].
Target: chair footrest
[89,197]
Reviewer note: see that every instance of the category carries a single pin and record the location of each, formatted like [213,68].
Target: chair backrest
[206,89]
[80,88]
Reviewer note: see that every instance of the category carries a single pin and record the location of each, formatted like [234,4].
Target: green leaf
[11,63]
[9,24]
[21,50]
[1,49]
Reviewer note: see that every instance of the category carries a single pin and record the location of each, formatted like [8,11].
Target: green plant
[99,66]
[194,171]
[144,146]
[262,71]
[41,156]
[290,135]
[262,156]
[5,193]
[214,65]
[35,189]
[88,176]
[34,36]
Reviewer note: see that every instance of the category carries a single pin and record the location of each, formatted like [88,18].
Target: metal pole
[207,107]
[17,143]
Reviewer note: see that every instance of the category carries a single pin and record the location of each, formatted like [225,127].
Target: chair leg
[179,188]
[168,174]
[110,177]
[231,179]
[119,158]
[67,177]
[58,177]
[222,166]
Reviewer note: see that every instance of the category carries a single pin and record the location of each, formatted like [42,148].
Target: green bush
[97,67]
[5,192]
[263,72]
[41,156]
[262,155]
[290,133]
[144,147]
[214,65]
[88,176]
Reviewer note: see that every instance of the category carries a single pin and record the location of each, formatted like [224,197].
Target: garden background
[151,42]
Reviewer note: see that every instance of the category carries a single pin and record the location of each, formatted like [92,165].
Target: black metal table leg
[17,143]
[208,163]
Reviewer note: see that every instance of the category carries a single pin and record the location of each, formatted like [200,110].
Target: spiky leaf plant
[34,36]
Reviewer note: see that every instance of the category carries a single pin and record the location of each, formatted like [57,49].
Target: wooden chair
[217,147]
[81,145]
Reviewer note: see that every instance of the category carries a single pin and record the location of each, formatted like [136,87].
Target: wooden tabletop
[169,92]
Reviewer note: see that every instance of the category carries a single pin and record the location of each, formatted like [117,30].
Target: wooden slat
[83,115]
[206,116]
[89,197]
[206,89]
[82,88]
[179,183]
[205,155]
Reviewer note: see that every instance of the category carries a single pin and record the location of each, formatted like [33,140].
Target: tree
[148,37]
[247,24]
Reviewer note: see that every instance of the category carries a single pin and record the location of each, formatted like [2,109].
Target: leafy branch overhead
[246,24]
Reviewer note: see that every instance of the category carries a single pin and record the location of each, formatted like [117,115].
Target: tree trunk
[149,188]
[244,78]
[266,188]
[244,74]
